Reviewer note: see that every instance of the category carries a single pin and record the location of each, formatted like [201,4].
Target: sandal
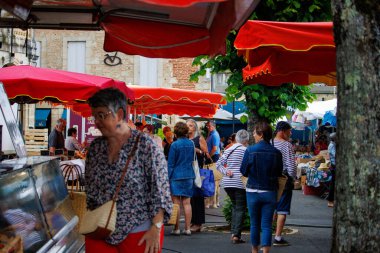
[195,228]
[237,240]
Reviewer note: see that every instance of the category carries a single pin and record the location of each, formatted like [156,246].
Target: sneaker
[175,232]
[186,232]
[281,242]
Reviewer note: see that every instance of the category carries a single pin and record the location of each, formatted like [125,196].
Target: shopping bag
[281,185]
[217,174]
[197,179]
[208,183]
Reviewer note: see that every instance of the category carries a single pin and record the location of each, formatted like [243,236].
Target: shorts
[283,205]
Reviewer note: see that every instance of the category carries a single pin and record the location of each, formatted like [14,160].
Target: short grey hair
[242,136]
[212,122]
[111,98]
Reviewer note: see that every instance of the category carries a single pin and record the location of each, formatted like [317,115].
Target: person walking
[229,164]
[181,174]
[262,164]
[281,142]
[197,201]
[143,202]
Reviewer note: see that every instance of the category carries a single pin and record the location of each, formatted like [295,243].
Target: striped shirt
[288,157]
[235,156]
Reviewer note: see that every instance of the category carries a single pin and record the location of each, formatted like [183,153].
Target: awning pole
[233,116]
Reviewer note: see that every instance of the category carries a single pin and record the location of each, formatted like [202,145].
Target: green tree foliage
[263,102]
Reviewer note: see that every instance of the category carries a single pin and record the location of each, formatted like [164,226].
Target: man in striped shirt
[281,142]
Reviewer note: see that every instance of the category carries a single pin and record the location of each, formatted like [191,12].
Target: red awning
[169,39]
[178,3]
[151,28]
[153,100]
[27,84]
[280,52]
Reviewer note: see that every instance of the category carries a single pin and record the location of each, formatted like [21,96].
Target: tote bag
[208,183]
[197,179]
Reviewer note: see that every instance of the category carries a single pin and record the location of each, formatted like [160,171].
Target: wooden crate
[36,140]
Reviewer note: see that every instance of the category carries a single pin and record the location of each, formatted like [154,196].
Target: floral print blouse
[145,188]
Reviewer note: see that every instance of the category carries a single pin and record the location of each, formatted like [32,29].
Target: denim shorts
[283,206]
[182,187]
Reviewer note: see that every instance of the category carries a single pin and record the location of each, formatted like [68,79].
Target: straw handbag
[72,176]
[99,223]
[281,185]
[174,215]
[244,180]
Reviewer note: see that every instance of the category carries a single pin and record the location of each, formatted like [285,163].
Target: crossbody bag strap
[130,156]
[232,152]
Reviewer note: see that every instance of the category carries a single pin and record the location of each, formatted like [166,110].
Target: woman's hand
[152,240]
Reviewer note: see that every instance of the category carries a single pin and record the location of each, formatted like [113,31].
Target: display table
[314,177]
[317,182]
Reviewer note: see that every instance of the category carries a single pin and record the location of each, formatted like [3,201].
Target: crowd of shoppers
[161,173]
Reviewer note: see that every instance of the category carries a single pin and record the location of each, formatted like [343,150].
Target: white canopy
[219,115]
[315,110]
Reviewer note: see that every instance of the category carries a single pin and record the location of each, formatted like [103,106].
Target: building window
[37,57]
[219,82]
[148,71]
[76,56]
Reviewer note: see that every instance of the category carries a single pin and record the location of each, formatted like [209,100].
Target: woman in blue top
[181,173]
[262,164]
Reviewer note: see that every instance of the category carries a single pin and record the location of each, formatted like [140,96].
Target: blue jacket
[180,160]
[262,164]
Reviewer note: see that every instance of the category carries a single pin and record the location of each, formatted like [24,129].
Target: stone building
[82,51]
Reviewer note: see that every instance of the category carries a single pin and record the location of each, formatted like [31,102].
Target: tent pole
[233,116]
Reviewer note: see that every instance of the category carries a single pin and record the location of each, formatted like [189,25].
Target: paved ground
[309,215]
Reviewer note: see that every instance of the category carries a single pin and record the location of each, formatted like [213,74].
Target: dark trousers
[239,207]
[330,197]
[197,210]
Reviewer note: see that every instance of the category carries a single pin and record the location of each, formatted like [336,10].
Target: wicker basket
[78,200]
[173,216]
[244,180]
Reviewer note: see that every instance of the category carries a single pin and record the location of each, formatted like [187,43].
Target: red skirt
[129,245]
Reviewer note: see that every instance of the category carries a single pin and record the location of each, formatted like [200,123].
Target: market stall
[287,52]
[151,28]
[158,100]
[26,84]
[314,173]
[163,27]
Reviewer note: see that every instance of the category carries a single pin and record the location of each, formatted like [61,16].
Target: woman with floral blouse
[144,201]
